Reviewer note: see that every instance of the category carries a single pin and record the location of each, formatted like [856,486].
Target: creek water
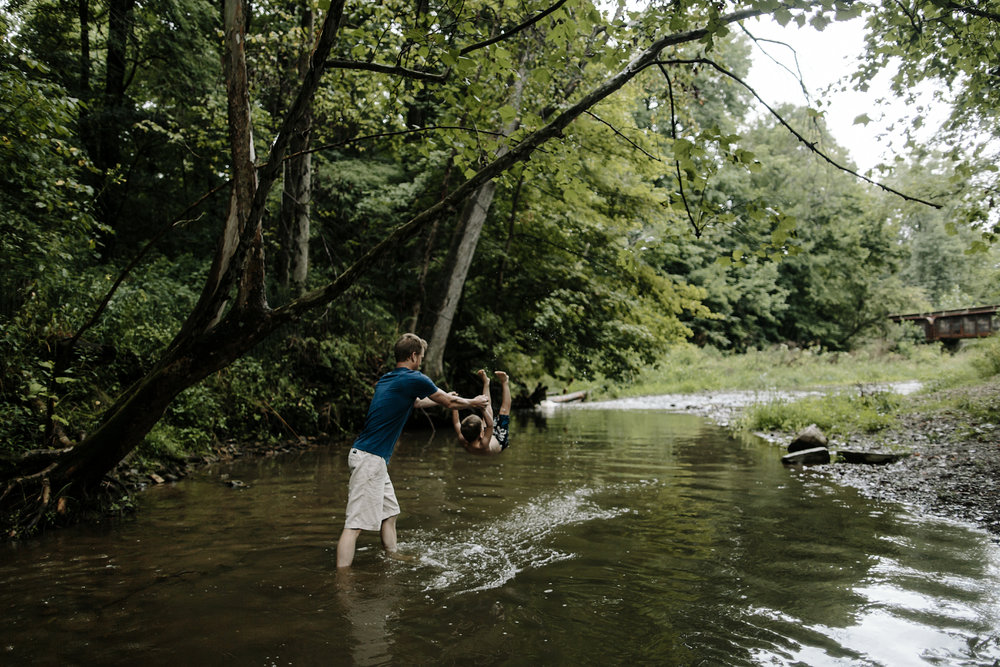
[602,536]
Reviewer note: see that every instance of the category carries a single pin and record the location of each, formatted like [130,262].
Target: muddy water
[603,536]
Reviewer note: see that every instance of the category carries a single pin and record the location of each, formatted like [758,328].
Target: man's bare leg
[389,534]
[346,545]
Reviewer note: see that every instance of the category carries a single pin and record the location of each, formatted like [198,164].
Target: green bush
[990,350]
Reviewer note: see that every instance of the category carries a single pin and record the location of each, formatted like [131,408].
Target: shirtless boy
[481,435]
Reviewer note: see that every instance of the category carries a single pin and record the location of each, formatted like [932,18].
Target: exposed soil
[953,464]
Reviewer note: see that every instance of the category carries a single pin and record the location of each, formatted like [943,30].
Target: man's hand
[452,400]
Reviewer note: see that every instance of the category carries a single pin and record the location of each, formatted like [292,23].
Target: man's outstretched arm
[451,400]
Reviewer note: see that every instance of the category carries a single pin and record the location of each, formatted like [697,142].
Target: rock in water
[808,438]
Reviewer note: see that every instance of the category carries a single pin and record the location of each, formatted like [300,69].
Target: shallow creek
[604,535]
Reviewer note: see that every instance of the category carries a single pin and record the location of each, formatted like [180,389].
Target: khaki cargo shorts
[370,496]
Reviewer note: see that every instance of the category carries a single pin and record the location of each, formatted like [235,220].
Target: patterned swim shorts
[501,431]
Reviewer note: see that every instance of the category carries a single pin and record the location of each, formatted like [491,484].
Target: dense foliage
[664,214]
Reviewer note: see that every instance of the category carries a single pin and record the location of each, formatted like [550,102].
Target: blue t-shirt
[391,405]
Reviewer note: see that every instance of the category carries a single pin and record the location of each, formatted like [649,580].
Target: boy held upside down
[481,435]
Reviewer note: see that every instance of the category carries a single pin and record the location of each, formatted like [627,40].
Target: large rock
[808,438]
[805,457]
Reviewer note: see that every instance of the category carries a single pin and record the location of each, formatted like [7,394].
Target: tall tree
[515,63]
[468,230]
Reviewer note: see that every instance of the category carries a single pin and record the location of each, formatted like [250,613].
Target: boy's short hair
[472,428]
[409,344]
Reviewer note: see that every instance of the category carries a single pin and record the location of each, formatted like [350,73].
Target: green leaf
[507,114]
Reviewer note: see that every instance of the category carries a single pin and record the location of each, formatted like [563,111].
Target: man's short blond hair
[409,344]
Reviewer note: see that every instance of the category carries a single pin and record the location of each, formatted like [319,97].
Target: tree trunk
[83,10]
[471,227]
[296,196]
[472,220]
[112,118]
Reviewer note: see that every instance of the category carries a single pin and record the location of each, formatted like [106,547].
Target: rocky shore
[953,464]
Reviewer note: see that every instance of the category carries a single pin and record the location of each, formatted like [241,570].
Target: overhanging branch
[521,152]
[395,70]
[809,144]
[513,31]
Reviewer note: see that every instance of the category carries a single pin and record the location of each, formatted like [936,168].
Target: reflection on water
[602,536]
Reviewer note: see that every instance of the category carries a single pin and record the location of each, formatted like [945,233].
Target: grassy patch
[839,413]
[688,369]
[850,402]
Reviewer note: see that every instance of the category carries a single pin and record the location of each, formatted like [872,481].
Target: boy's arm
[457,426]
[488,433]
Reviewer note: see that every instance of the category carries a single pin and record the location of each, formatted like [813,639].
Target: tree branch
[810,145]
[513,31]
[975,11]
[135,262]
[618,132]
[521,152]
[386,69]
[406,72]
[396,133]
[677,163]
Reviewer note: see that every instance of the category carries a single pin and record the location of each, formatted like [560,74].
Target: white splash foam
[490,555]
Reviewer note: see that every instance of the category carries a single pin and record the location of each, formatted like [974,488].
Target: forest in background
[664,211]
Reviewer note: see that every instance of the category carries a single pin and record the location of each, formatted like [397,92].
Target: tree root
[33,503]
[25,501]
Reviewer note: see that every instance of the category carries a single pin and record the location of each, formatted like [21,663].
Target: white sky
[823,58]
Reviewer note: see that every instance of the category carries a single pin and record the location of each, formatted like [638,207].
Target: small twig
[619,133]
[677,164]
[281,419]
[798,70]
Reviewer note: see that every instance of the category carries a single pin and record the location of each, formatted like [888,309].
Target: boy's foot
[482,375]
[501,376]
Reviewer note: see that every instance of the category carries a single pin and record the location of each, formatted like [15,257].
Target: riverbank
[952,439]
[951,436]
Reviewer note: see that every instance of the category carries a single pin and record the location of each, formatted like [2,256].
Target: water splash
[490,555]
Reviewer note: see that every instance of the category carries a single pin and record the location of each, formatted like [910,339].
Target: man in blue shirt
[371,500]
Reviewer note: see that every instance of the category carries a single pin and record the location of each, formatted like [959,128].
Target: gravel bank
[953,469]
